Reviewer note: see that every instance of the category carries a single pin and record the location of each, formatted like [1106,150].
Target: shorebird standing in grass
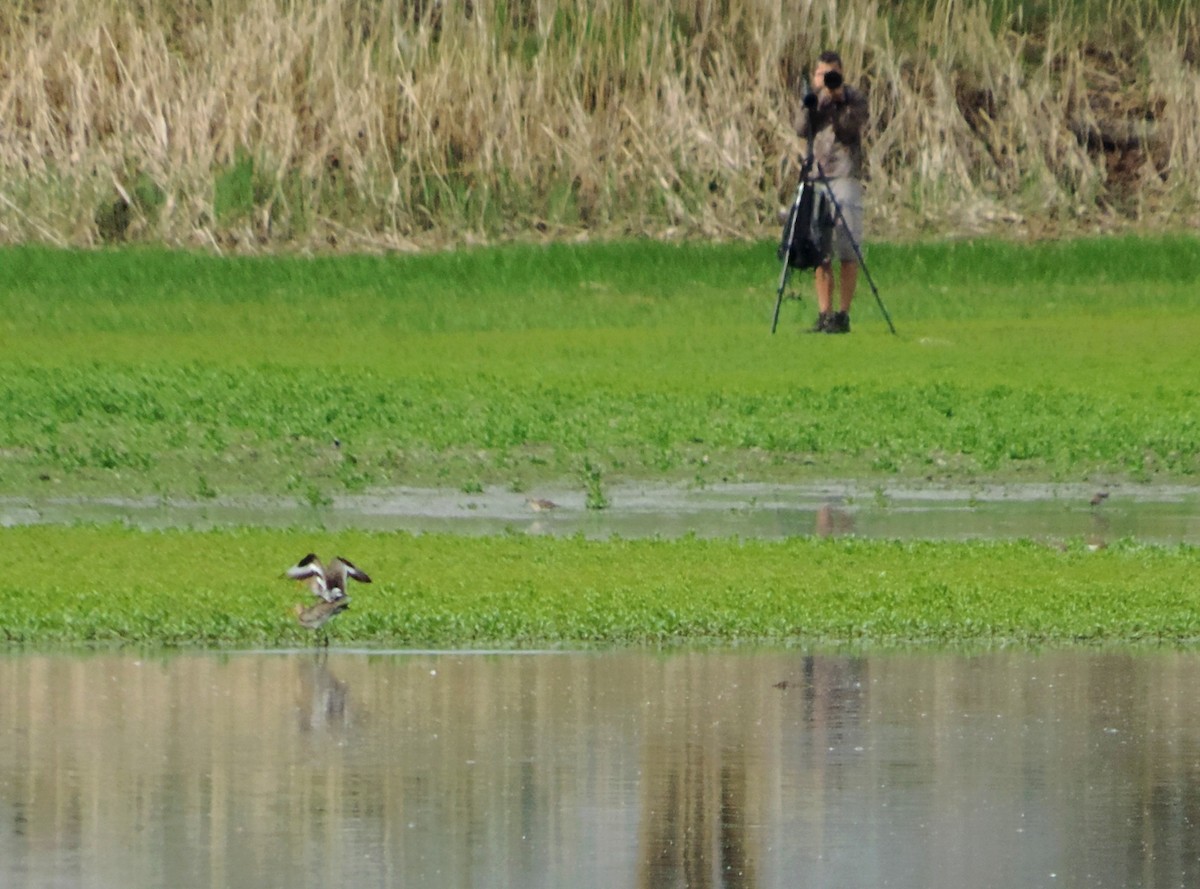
[328,584]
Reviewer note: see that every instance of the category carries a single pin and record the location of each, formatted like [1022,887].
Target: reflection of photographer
[837,114]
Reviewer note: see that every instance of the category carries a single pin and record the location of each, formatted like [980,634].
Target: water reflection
[833,521]
[322,699]
[762,769]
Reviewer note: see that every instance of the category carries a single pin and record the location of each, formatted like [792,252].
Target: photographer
[835,114]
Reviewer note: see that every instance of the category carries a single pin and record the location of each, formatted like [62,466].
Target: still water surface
[610,769]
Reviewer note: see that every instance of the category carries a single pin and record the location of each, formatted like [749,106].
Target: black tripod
[807,234]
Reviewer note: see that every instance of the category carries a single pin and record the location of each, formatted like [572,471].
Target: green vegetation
[326,126]
[114,585]
[152,372]
[145,372]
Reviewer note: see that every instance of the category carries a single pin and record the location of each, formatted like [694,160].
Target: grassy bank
[153,372]
[344,124]
[114,585]
[147,372]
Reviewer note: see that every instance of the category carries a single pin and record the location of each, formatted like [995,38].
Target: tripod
[799,249]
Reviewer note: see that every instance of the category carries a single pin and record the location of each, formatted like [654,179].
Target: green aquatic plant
[137,371]
[593,486]
[112,584]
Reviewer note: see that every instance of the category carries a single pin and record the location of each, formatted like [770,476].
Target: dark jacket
[837,129]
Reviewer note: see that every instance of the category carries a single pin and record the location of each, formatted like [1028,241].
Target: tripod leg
[783,279]
[786,249]
[866,271]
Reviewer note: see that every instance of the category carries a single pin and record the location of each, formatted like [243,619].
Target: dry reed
[369,124]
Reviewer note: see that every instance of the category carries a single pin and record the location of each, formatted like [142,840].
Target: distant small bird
[328,583]
[537,504]
[782,685]
[1098,498]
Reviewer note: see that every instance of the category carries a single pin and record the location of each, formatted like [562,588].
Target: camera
[833,79]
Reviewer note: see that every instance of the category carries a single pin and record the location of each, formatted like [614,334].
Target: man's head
[826,62]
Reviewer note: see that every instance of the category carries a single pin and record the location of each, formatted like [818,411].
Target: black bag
[808,233]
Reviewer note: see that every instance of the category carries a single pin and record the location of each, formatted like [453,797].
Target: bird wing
[349,569]
[306,567]
[310,570]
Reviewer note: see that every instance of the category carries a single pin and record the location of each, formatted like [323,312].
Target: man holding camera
[833,116]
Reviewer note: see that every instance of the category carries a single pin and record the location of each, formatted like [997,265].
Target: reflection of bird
[328,583]
[323,700]
[833,522]
[1099,497]
[537,504]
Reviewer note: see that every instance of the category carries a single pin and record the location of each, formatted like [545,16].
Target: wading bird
[328,583]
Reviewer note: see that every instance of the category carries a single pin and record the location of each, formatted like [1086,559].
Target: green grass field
[111,585]
[149,372]
[152,372]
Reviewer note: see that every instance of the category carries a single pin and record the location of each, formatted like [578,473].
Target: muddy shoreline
[1165,514]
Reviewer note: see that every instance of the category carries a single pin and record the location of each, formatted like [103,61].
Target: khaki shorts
[849,194]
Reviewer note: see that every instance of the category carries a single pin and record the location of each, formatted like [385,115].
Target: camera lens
[833,79]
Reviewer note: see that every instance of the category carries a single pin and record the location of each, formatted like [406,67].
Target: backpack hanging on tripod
[808,232]
[807,241]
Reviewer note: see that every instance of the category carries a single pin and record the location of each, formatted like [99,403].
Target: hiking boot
[839,322]
[824,320]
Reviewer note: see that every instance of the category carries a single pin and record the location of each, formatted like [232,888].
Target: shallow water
[1151,513]
[613,769]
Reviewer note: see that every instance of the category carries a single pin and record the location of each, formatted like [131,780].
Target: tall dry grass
[367,124]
